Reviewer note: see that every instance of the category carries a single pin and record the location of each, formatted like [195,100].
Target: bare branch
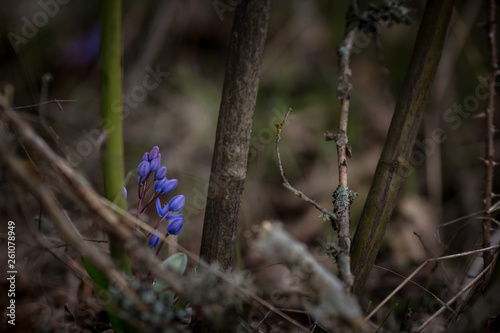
[286,183]
[490,130]
[343,197]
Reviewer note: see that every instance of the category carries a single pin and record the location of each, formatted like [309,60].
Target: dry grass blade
[419,268]
[451,301]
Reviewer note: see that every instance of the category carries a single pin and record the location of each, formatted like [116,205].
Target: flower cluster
[152,174]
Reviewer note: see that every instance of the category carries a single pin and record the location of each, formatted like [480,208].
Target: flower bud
[155,239]
[161,173]
[159,184]
[169,186]
[154,153]
[175,227]
[144,168]
[177,202]
[156,163]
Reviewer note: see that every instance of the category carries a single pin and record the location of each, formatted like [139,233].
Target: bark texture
[234,125]
[394,166]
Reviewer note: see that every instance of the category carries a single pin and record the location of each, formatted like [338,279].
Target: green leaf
[102,284]
[178,263]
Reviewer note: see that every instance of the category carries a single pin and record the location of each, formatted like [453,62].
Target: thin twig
[415,284]
[451,301]
[50,205]
[58,101]
[490,130]
[459,219]
[453,256]
[286,183]
[446,277]
[342,197]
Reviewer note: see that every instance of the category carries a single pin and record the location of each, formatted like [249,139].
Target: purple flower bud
[125,192]
[161,211]
[159,184]
[156,163]
[155,239]
[177,202]
[175,227]
[143,168]
[161,173]
[145,157]
[169,186]
[154,153]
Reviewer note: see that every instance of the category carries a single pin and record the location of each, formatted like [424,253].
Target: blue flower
[154,153]
[161,173]
[159,184]
[125,192]
[165,186]
[144,168]
[161,211]
[155,163]
[145,157]
[177,202]
[169,186]
[155,239]
[175,227]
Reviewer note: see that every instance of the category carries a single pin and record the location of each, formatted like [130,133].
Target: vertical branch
[342,197]
[234,125]
[111,113]
[490,130]
[394,161]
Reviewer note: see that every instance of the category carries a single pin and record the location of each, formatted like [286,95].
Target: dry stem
[342,198]
[490,130]
[286,183]
[408,279]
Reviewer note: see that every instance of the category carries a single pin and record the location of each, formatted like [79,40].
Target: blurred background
[174,64]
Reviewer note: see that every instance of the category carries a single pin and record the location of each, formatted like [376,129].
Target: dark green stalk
[111,114]
[394,163]
[110,69]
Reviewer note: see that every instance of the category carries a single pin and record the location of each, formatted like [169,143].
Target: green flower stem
[111,114]
[112,151]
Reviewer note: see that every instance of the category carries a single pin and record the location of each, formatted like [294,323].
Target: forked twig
[454,298]
[286,183]
[422,266]
[415,284]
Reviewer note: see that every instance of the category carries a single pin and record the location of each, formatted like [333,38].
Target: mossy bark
[394,164]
